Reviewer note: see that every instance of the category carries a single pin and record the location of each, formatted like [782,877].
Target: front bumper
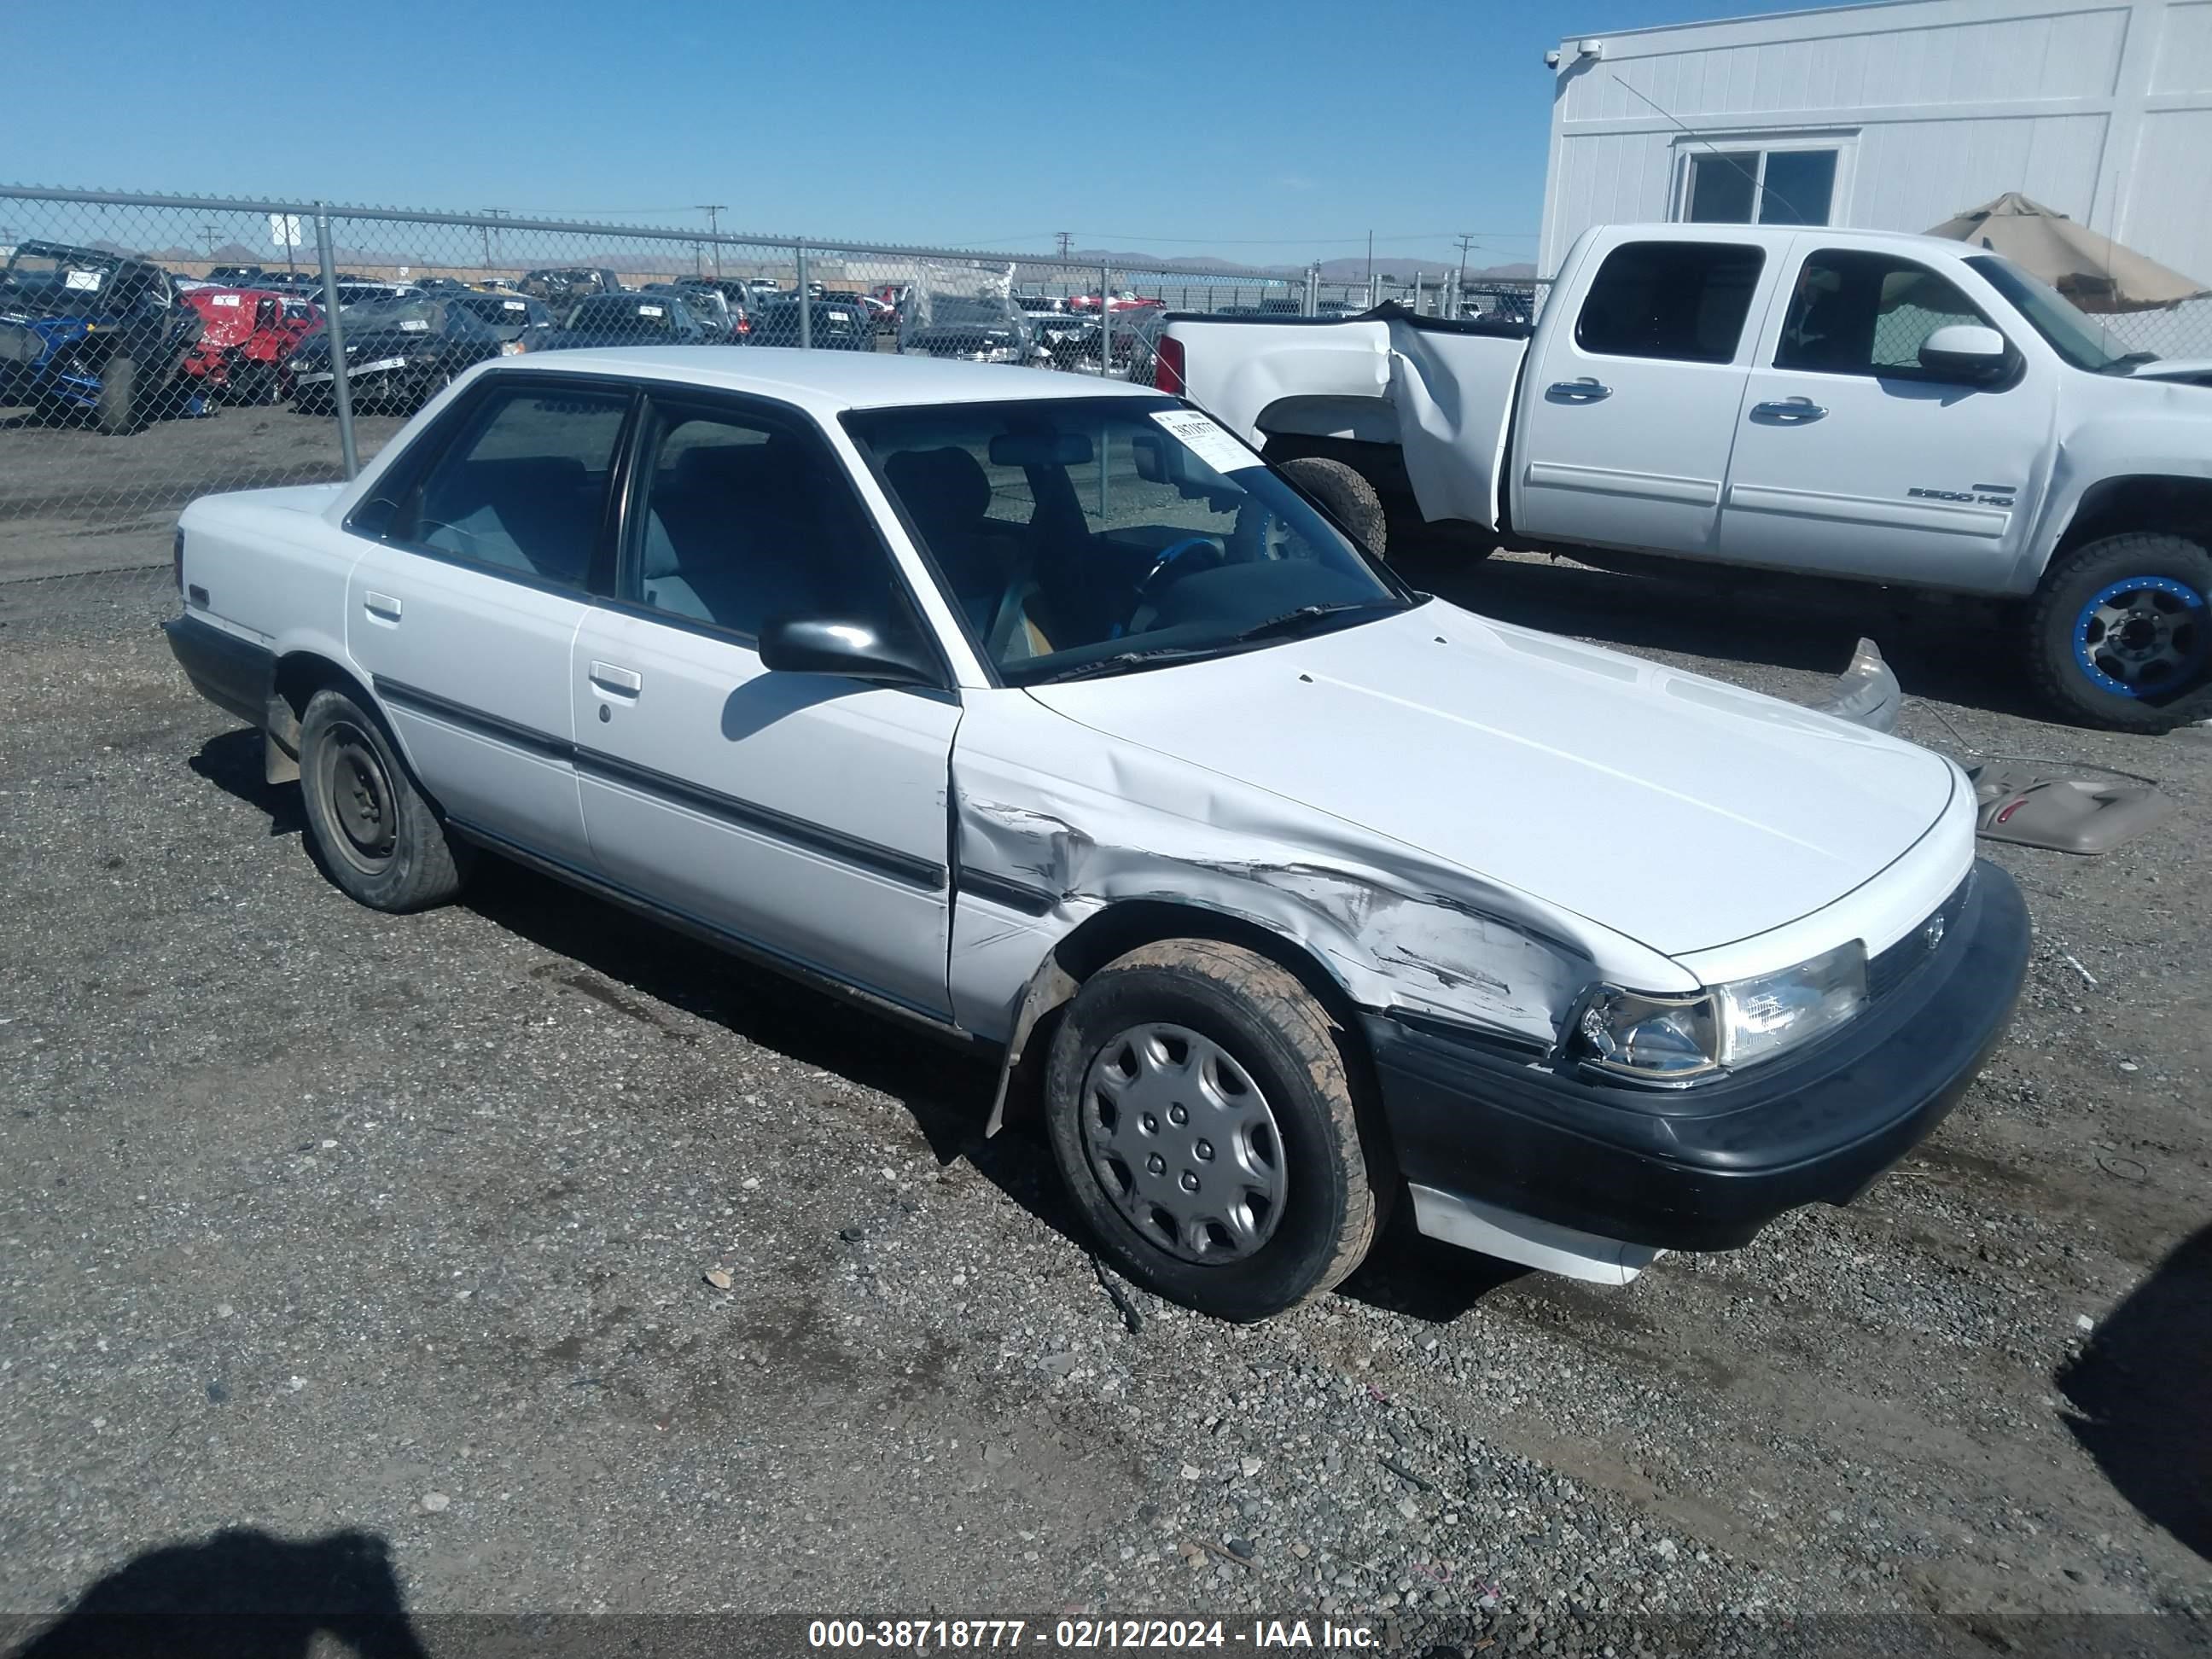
[1705,1168]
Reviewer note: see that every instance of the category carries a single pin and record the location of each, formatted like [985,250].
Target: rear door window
[522,487]
[1686,301]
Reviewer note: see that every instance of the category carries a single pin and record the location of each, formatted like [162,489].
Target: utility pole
[491,236]
[1459,290]
[207,234]
[1066,241]
[1371,267]
[714,211]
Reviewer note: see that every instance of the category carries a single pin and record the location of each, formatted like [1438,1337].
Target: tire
[382,843]
[1351,500]
[118,411]
[1265,1073]
[254,383]
[2120,633]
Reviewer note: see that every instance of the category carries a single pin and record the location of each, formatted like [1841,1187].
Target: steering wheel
[1155,578]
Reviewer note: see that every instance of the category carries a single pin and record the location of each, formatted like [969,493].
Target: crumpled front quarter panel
[1055,822]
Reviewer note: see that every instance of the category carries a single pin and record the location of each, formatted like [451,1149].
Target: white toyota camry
[1041,711]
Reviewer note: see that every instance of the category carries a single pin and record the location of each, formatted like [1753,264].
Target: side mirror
[831,645]
[1966,352]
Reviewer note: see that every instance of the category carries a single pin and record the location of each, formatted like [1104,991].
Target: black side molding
[232,673]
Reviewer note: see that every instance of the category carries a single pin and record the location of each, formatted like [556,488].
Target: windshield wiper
[1121,660]
[1290,620]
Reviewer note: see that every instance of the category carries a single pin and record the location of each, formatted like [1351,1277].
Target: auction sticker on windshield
[87,280]
[1205,438]
[650,311]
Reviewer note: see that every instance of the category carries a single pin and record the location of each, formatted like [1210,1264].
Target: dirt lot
[72,500]
[316,1221]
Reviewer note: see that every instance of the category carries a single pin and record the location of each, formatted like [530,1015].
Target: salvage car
[833,325]
[247,335]
[1903,409]
[989,329]
[518,322]
[90,334]
[399,354]
[1041,712]
[624,319]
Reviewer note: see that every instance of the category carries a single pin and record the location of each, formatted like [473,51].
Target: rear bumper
[232,673]
[1705,1168]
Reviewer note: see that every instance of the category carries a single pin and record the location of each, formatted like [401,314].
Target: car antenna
[1758,184]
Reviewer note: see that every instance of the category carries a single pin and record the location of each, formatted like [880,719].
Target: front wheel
[382,843]
[2120,633]
[116,412]
[1201,1113]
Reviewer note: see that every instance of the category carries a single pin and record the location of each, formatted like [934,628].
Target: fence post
[806,300]
[1312,307]
[341,393]
[1105,352]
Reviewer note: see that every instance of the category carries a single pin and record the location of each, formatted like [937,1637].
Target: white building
[1895,117]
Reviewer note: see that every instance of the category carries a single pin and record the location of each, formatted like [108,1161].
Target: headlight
[1675,1040]
[1762,1016]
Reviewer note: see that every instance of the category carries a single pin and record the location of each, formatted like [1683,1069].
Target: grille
[1885,971]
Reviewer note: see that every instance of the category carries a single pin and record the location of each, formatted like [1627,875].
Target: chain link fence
[156,348]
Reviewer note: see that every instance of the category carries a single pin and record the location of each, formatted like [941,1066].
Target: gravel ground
[317,1221]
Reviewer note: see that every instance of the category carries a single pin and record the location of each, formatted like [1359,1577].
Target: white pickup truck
[1846,403]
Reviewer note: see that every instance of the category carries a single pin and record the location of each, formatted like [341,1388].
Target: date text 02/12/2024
[1081,1635]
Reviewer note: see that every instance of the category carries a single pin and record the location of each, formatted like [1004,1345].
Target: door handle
[1791,411]
[382,606]
[616,681]
[1587,390]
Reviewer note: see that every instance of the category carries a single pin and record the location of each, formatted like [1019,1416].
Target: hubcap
[360,797]
[2144,637]
[1183,1143]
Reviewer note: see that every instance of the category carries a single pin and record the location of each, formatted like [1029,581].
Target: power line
[1066,238]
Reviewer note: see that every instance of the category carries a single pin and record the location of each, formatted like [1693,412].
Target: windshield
[395,316]
[1094,535]
[627,313]
[83,274]
[2068,333]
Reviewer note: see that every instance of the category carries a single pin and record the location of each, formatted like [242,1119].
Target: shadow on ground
[619,958]
[240,1595]
[1956,650]
[2142,1391]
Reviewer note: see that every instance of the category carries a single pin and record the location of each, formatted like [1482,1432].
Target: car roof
[828,382]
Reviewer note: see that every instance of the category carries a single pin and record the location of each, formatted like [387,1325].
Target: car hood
[1675,810]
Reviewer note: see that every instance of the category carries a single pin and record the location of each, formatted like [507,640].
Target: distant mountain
[1352,269]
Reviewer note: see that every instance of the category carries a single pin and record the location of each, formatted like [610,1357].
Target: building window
[1760,187]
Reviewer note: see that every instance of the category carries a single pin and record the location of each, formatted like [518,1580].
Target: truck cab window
[1858,313]
[1682,301]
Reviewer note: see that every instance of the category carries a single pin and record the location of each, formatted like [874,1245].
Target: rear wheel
[1201,1113]
[382,843]
[2120,633]
[1351,500]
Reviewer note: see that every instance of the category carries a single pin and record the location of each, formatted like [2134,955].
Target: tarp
[2093,271]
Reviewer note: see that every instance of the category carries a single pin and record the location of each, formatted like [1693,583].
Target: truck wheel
[1350,499]
[118,408]
[382,843]
[2120,633]
[1200,1112]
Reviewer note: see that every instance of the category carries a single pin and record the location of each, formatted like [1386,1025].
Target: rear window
[1682,301]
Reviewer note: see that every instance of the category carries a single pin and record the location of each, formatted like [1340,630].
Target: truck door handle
[1586,390]
[615,681]
[382,606]
[1791,411]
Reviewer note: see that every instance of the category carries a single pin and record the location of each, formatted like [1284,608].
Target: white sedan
[1041,712]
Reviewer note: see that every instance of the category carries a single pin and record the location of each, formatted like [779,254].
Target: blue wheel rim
[2143,637]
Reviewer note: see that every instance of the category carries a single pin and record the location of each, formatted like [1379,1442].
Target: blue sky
[1277,131]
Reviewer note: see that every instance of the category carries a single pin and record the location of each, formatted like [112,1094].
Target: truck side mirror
[1966,352]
